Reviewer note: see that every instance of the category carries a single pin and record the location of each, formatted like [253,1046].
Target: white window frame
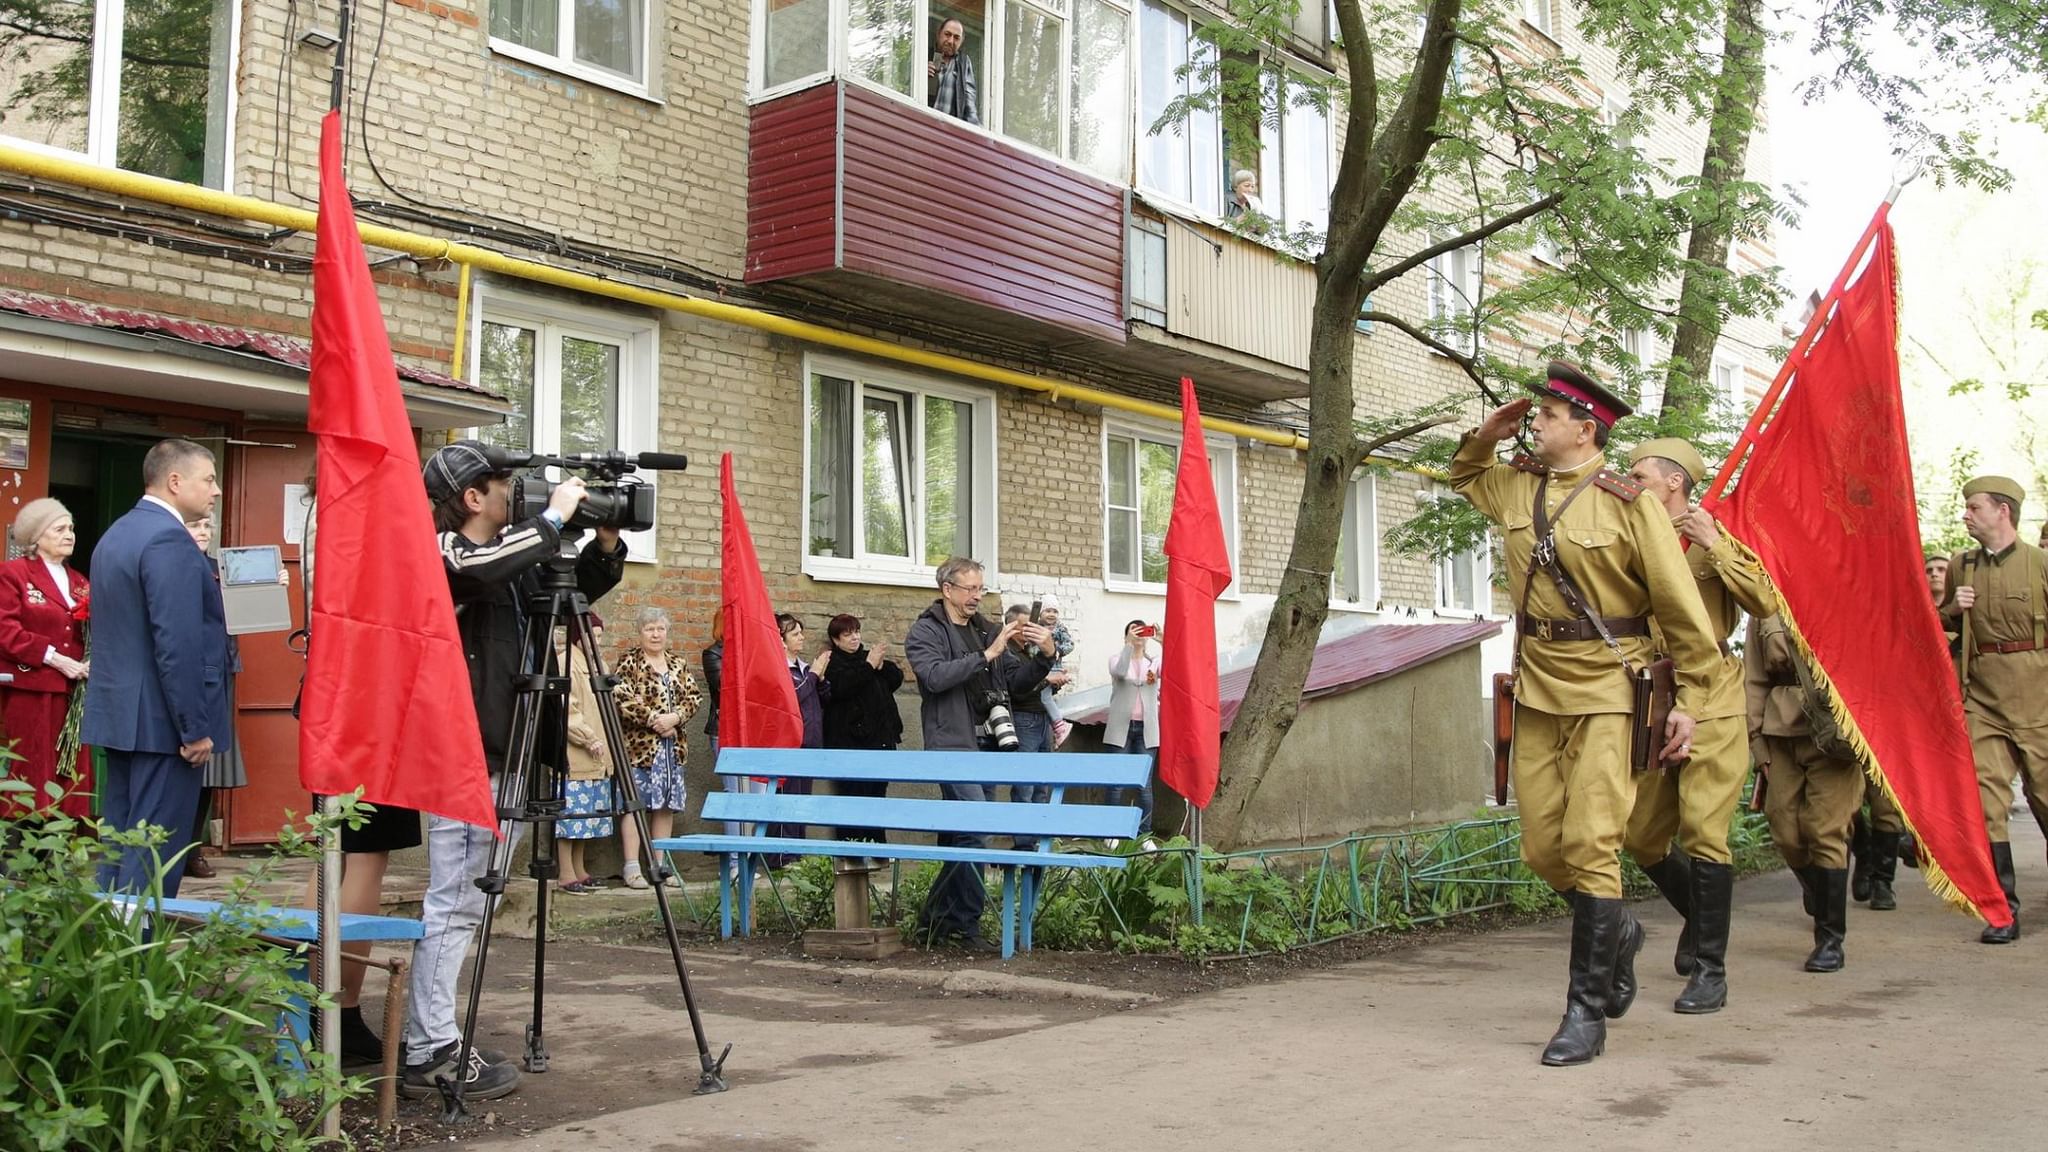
[1455,291]
[103,95]
[566,63]
[1141,128]
[1728,384]
[1481,560]
[893,570]
[1222,470]
[638,339]
[1543,247]
[1361,504]
[995,110]
[1542,16]
[1273,162]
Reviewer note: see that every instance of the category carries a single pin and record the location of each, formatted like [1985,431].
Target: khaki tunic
[2004,700]
[1572,703]
[1810,798]
[1696,803]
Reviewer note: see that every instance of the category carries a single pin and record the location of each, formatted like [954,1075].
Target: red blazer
[33,617]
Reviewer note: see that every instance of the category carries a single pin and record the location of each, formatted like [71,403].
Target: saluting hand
[1697,525]
[1503,421]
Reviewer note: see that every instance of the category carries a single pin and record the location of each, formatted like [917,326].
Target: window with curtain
[899,474]
[1139,472]
[1182,161]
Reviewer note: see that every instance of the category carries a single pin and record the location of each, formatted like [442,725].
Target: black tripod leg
[536,1048]
[710,1076]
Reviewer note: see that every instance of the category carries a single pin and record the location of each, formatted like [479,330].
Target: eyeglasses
[970,589]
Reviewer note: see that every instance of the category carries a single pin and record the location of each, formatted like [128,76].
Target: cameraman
[491,566]
[952,647]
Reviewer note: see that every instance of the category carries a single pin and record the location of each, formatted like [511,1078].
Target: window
[580,380]
[1100,138]
[1536,14]
[1356,580]
[973,18]
[1138,469]
[1543,245]
[899,475]
[795,38]
[141,85]
[1145,270]
[1181,161]
[1453,294]
[1728,389]
[880,42]
[1034,81]
[604,41]
[1464,582]
[1294,177]
[1312,23]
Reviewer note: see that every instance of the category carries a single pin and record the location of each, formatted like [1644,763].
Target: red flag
[756,698]
[1197,571]
[1826,500]
[387,704]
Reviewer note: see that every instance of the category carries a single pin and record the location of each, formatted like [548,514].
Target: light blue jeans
[457,854]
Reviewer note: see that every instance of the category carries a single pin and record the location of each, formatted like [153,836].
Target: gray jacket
[1127,694]
[948,673]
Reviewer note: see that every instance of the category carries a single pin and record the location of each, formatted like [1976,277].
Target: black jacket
[1022,674]
[714,674]
[949,673]
[490,584]
[861,712]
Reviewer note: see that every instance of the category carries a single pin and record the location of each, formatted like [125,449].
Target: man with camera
[491,565]
[953,650]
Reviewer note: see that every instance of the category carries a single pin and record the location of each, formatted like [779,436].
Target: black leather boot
[1630,936]
[1808,900]
[1859,857]
[2001,863]
[1909,850]
[1884,867]
[1832,923]
[1673,877]
[1713,892]
[1596,935]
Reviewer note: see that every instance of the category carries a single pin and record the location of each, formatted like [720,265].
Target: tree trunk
[1688,377]
[1273,698]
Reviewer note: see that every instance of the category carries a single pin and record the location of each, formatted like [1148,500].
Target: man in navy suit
[156,702]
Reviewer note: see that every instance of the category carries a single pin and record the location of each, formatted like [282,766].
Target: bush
[116,1036]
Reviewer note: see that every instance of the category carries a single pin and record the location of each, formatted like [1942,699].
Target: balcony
[1229,311]
[880,203]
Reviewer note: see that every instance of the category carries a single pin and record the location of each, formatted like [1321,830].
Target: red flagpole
[1801,348]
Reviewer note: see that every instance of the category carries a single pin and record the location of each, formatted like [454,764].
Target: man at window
[952,74]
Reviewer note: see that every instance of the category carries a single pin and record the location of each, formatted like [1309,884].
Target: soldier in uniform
[1813,790]
[1573,696]
[1997,597]
[1696,800]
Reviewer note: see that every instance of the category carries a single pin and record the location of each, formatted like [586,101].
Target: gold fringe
[1930,868]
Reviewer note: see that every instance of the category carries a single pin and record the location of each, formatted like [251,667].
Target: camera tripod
[530,792]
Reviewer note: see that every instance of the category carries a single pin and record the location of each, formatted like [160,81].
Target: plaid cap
[455,468]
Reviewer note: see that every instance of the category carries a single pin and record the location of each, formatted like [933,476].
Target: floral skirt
[661,783]
[580,799]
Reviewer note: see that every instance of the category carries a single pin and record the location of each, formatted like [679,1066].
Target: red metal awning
[1349,662]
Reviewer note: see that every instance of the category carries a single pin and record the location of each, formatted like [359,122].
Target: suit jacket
[159,639]
[34,619]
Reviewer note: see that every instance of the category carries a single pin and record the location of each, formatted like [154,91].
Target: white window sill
[1468,614]
[573,70]
[1141,588]
[1355,607]
[833,570]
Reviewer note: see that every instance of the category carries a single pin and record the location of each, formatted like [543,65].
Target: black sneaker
[487,1079]
[359,1045]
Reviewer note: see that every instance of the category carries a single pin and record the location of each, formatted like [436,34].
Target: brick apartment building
[777,155]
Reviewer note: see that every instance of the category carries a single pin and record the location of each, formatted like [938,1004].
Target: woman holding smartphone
[1133,722]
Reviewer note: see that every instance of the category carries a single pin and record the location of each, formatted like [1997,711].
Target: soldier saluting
[1997,596]
[1588,565]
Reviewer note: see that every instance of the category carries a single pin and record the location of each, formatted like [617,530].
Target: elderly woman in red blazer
[42,644]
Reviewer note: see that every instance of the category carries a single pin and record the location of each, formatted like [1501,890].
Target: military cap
[1576,386]
[1675,450]
[1996,486]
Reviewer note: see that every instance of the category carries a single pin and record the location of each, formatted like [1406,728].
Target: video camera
[609,501]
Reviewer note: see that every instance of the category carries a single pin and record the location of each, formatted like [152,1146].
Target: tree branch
[1369,447]
[1397,155]
[1355,174]
[1466,362]
[1491,228]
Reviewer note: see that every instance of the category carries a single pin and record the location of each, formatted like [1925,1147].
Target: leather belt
[2007,648]
[1581,629]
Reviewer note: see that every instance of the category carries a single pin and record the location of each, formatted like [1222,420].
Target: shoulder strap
[1545,555]
[1617,484]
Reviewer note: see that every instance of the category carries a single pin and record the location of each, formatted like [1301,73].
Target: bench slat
[791,847]
[283,923]
[1065,769]
[1098,821]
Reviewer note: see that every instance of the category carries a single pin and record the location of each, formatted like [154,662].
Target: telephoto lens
[1001,729]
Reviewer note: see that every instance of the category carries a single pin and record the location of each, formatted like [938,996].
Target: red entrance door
[267,475]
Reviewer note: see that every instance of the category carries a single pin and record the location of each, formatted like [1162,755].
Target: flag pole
[1801,348]
[330,807]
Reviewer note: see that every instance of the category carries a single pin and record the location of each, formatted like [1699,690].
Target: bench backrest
[980,817]
[1055,769]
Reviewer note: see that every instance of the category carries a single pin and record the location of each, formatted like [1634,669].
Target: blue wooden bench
[1057,771]
[302,926]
